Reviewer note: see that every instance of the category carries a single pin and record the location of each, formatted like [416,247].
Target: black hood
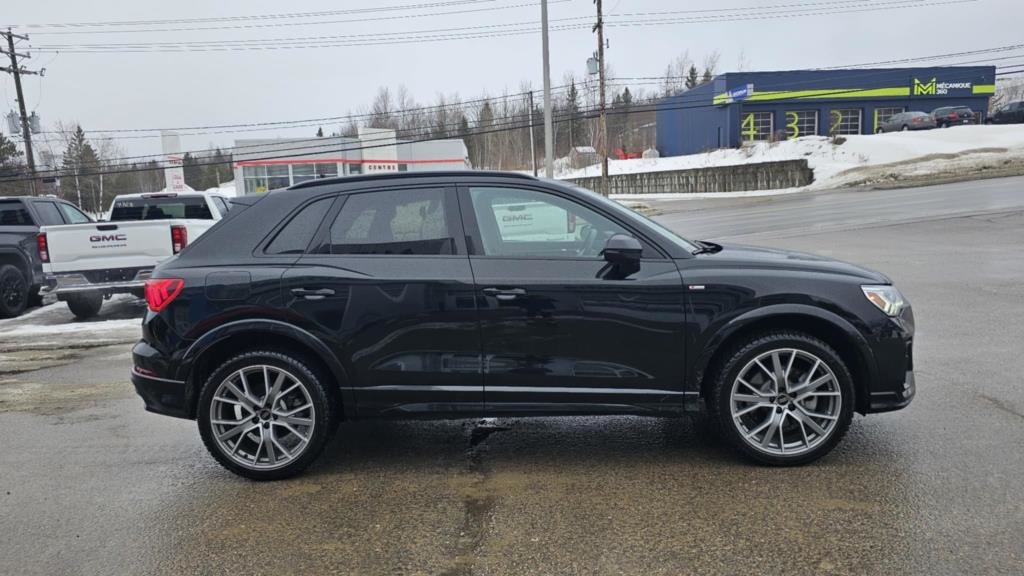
[759,257]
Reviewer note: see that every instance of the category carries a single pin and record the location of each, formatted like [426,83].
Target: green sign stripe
[984,89]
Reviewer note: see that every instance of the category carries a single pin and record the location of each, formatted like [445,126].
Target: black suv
[21,271]
[953,116]
[1010,113]
[467,294]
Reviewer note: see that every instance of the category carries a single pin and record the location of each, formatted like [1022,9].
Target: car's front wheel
[783,398]
[265,415]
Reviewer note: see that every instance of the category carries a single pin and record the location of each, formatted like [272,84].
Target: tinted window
[297,233]
[393,222]
[48,214]
[73,215]
[14,214]
[192,207]
[515,222]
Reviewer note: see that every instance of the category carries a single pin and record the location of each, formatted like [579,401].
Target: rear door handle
[317,294]
[505,294]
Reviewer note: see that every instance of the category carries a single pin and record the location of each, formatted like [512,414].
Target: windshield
[639,218]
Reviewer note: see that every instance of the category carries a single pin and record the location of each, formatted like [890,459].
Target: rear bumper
[74,283]
[161,395]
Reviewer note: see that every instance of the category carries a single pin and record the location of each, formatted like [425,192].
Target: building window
[403,167]
[882,115]
[845,121]
[255,178]
[355,168]
[303,172]
[277,176]
[756,126]
[328,170]
[801,123]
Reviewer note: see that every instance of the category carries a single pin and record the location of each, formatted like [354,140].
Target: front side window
[393,222]
[526,223]
[73,215]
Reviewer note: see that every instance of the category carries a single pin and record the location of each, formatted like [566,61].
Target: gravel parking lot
[92,484]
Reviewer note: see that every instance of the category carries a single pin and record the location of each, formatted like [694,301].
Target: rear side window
[393,222]
[294,238]
[192,207]
[14,214]
[48,214]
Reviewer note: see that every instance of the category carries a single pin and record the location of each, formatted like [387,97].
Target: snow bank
[830,161]
[132,324]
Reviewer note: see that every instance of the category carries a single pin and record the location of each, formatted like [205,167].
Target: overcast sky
[130,90]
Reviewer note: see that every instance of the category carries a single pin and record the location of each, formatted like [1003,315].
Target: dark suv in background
[1010,113]
[953,116]
[468,294]
[21,271]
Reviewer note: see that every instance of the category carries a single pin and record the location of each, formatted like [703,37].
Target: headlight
[887,298]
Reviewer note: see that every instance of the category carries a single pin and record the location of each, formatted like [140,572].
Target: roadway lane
[799,213]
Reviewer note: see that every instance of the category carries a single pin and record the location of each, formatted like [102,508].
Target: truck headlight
[886,298]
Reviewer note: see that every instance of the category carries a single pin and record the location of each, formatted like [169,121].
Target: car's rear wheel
[265,415]
[85,306]
[905,128]
[783,398]
[13,291]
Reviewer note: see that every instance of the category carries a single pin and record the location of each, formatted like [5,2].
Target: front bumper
[161,395]
[895,386]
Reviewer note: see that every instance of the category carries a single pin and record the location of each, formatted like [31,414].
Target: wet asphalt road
[91,484]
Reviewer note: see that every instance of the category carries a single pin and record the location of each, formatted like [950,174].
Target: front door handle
[317,294]
[505,294]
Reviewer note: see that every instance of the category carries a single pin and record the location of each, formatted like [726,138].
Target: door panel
[390,289]
[572,338]
[559,333]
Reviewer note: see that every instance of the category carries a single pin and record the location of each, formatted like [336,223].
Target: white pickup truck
[84,264]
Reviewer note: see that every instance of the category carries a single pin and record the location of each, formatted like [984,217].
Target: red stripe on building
[345,161]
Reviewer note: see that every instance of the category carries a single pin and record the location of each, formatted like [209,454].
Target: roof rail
[401,175]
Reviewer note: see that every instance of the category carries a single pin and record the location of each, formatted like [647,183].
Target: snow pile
[943,150]
[225,189]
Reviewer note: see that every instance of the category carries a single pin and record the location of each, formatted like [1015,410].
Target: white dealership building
[266,164]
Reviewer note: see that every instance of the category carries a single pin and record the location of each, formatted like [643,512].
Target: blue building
[743,107]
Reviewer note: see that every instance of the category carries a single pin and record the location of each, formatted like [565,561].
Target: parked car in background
[953,116]
[1010,113]
[85,264]
[466,294]
[21,271]
[907,121]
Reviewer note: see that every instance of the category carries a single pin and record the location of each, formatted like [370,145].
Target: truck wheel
[13,291]
[265,415]
[85,305]
[782,398]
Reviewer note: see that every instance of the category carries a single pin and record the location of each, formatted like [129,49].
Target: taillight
[918,119]
[162,291]
[44,248]
[179,238]
[954,116]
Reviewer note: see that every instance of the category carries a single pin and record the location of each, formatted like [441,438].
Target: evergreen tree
[572,110]
[11,166]
[709,75]
[81,163]
[320,132]
[692,78]
[193,171]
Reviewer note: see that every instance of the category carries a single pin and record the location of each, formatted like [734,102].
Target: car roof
[425,175]
[165,195]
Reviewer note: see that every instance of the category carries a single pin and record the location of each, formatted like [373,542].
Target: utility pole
[533,151]
[549,133]
[17,70]
[603,121]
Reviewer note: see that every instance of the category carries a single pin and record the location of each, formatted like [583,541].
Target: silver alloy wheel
[262,417]
[786,402]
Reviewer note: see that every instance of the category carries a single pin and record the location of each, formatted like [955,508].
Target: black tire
[85,306]
[905,128]
[719,394]
[14,291]
[324,417]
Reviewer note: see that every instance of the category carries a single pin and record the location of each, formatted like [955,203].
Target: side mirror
[623,255]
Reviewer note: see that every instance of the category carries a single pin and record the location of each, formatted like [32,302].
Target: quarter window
[527,223]
[845,121]
[756,126]
[294,238]
[393,222]
[48,214]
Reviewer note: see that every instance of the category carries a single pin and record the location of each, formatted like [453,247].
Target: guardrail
[736,178]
